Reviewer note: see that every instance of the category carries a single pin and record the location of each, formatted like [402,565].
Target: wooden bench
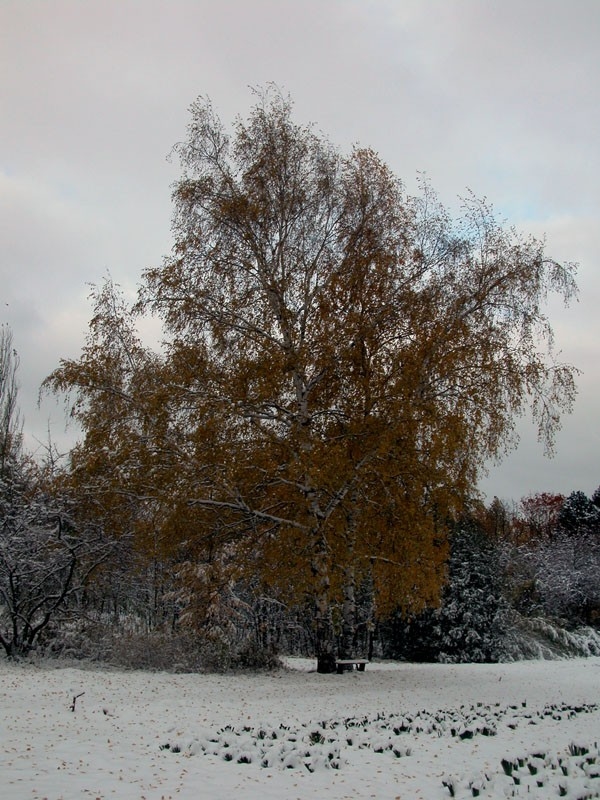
[348,664]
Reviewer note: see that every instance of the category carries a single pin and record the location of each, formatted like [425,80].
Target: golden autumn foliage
[340,361]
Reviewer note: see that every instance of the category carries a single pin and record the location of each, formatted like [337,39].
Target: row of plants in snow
[573,774]
[323,744]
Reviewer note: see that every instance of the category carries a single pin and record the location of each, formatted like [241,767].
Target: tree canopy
[340,361]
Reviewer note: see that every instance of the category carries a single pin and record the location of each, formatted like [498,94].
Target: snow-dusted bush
[129,646]
[557,576]
[45,561]
[538,637]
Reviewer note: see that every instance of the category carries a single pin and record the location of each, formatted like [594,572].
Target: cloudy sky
[502,98]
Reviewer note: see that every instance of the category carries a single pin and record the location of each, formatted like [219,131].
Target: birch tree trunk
[324,632]
[348,640]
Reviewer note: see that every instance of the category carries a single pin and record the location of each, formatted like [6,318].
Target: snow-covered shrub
[250,655]
[557,576]
[45,561]
[538,637]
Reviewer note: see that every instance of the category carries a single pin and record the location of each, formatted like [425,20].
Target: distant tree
[553,564]
[565,573]
[540,513]
[43,561]
[340,361]
[497,520]
[10,420]
[578,514]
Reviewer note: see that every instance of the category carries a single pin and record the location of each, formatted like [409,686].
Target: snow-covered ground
[395,731]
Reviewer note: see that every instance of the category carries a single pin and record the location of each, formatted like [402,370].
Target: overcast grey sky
[502,98]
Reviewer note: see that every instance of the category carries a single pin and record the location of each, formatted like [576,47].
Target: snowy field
[528,729]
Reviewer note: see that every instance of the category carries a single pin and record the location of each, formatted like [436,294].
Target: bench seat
[347,664]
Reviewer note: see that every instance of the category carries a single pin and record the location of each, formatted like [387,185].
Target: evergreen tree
[470,623]
[471,619]
[578,515]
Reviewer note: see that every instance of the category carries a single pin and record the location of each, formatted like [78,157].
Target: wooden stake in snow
[75,696]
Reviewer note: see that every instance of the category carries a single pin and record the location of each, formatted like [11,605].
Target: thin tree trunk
[324,633]
[348,638]
[325,639]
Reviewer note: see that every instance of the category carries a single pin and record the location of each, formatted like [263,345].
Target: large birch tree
[341,358]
